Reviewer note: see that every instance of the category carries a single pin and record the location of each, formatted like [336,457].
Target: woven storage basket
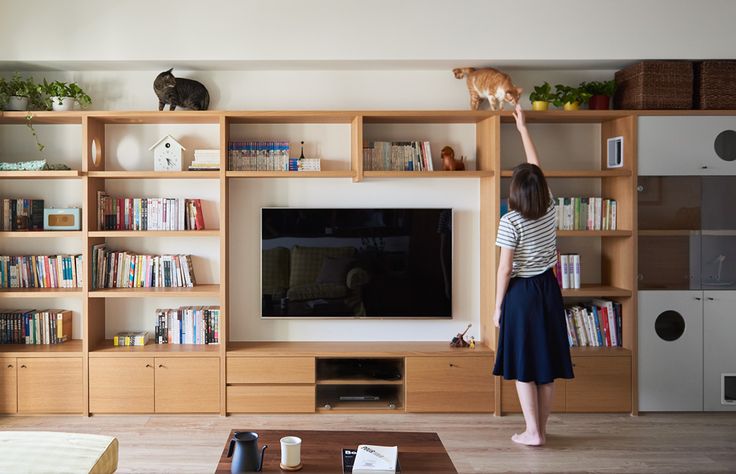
[655,85]
[715,85]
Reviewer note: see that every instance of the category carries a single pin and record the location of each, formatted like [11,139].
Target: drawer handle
[698,298]
[148,365]
[161,366]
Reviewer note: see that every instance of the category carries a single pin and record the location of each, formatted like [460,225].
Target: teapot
[244,451]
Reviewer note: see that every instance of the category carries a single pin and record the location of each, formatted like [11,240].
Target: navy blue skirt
[533,344]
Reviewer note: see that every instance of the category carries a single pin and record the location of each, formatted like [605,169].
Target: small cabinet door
[510,397]
[719,349]
[187,385]
[449,384]
[601,384]
[50,385]
[121,385]
[687,146]
[8,385]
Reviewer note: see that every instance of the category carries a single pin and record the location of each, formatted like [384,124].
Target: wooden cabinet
[270,398]
[601,384]
[449,384]
[8,385]
[187,385]
[121,385]
[273,370]
[49,385]
[510,398]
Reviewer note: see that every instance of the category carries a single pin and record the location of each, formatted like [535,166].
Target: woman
[533,348]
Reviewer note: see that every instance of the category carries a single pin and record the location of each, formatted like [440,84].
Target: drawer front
[449,384]
[50,385]
[270,399]
[8,385]
[510,398]
[121,385]
[187,385]
[601,384]
[270,370]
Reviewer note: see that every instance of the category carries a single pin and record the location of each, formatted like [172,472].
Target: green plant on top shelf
[62,95]
[607,88]
[18,93]
[541,96]
[570,98]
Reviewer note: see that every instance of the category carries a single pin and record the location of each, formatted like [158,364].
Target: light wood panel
[39,292]
[352,349]
[603,173]
[449,384]
[356,148]
[156,233]
[224,321]
[121,385]
[208,290]
[427,174]
[601,384]
[292,174]
[155,174]
[270,370]
[50,385]
[510,397]
[8,385]
[187,385]
[72,234]
[71,348]
[270,398]
[67,174]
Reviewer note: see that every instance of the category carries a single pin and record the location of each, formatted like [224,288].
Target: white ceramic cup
[291,451]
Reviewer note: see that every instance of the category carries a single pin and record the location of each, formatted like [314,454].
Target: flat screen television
[356,263]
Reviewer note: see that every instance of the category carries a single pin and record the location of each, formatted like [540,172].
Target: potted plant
[541,96]
[570,98]
[18,92]
[61,96]
[600,93]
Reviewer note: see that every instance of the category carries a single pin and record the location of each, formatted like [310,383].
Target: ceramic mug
[291,451]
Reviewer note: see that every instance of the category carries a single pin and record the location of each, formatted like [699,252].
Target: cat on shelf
[180,92]
[491,84]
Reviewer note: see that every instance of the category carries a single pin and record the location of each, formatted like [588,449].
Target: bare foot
[528,439]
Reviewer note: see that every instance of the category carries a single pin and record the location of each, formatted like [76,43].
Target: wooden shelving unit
[209,291]
[71,348]
[39,292]
[154,233]
[59,234]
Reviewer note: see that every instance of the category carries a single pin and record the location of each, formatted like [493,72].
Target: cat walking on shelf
[491,84]
[180,92]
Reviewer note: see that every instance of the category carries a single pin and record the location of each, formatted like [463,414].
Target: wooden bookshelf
[154,233]
[206,291]
[155,174]
[428,174]
[290,174]
[65,174]
[49,234]
[71,348]
[107,349]
[39,292]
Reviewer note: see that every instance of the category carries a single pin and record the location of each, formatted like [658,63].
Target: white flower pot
[62,104]
[17,103]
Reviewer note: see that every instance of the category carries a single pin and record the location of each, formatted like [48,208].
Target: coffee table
[322,450]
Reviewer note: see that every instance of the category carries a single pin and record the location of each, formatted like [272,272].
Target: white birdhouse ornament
[167,154]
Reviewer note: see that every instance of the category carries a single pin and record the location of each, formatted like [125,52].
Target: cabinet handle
[161,366]
[148,365]
[698,298]
[23,367]
[452,365]
[574,365]
[10,366]
[703,167]
[710,299]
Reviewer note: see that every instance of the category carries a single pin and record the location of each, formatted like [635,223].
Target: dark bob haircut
[529,194]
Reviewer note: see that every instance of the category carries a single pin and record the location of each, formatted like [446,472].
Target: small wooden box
[62,219]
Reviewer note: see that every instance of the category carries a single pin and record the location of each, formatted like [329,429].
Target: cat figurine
[180,92]
[491,84]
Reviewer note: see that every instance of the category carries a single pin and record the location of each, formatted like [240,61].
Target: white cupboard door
[719,352]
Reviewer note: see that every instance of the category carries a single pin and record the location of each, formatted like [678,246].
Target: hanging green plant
[29,124]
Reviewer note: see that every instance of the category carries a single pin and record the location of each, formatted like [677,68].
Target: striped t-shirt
[534,241]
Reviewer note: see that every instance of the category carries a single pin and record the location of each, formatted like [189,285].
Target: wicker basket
[655,85]
[715,85]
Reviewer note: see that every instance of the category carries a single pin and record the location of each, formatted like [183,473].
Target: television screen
[382,263]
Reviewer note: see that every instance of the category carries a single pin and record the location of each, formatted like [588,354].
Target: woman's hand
[497,317]
[518,114]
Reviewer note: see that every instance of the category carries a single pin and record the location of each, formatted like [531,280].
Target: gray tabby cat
[181,92]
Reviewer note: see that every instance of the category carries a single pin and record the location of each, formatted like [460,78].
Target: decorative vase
[62,104]
[540,105]
[599,102]
[571,105]
[16,102]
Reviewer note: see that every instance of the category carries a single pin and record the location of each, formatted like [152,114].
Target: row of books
[567,271]
[120,269]
[206,160]
[586,213]
[398,156]
[22,214]
[40,271]
[188,325]
[148,213]
[597,324]
[48,326]
[258,156]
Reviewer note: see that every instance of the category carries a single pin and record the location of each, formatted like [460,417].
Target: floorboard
[661,443]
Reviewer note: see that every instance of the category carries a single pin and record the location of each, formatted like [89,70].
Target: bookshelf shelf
[212,291]
[596,291]
[40,234]
[71,348]
[290,174]
[600,352]
[617,173]
[155,174]
[428,174]
[562,116]
[594,233]
[65,174]
[107,349]
[42,117]
[39,292]
[154,233]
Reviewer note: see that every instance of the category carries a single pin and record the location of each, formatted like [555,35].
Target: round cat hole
[725,145]
[670,325]
[95,152]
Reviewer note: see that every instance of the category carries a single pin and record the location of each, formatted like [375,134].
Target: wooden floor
[667,443]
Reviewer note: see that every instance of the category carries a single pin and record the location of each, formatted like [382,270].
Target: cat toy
[459,340]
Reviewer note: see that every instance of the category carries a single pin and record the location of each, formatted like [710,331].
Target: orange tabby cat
[491,84]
